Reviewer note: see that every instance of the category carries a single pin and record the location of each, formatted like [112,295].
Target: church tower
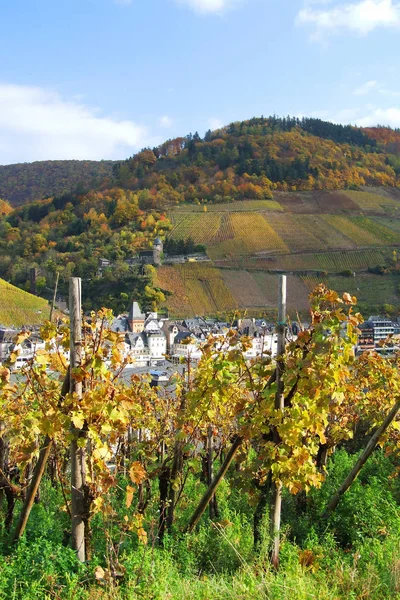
[136,318]
[157,251]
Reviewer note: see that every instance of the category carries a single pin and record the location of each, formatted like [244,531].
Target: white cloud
[359,17]
[215,123]
[366,88]
[364,116]
[38,124]
[380,116]
[208,6]
[375,86]
[166,122]
[387,92]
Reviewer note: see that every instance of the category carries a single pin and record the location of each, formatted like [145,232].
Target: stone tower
[157,251]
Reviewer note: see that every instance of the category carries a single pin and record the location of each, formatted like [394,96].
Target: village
[156,341]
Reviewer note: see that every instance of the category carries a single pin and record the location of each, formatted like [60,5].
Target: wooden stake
[214,485]
[54,297]
[276,505]
[78,453]
[210,468]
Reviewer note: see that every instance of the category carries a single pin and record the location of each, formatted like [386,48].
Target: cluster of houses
[149,338]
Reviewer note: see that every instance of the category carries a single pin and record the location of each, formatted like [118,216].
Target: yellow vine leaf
[137,472]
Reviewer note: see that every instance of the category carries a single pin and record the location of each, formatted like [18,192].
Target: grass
[296,236]
[354,555]
[18,308]
[377,229]
[361,231]
[251,227]
[353,260]
[204,290]
[373,202]
[387,222]
[371,291]
[327,236]
[235,206]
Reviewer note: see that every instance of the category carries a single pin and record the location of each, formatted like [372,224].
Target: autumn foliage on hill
[252,158]
[127,207]
[25,182]
[69,233]
[5,208]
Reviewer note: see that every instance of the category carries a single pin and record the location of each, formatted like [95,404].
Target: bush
[368,509]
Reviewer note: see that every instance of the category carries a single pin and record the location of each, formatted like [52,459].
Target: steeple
[136,318]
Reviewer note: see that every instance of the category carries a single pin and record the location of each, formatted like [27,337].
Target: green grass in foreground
[355,555]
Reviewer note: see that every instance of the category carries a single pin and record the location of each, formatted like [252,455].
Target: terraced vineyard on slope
[18,308]
[204,290]
[317,235]
[268,230]
[332,262]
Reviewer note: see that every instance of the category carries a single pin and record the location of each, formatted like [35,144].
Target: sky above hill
[100,79]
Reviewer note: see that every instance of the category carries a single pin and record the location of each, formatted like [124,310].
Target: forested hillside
[261,196]
[26,182]
[250,159]
[69,233]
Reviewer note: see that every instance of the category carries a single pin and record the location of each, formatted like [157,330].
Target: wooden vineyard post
[212,488]
[276,504]
[210,468]
[54,297]
[78,452]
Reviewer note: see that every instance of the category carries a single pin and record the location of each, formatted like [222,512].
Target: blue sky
[103,78]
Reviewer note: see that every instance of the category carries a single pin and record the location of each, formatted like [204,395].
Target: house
[146,257]
[383,328]
[27,349]
[366,336]
[186,345]
[158,377]
[145,339]
[152,257]
[266,343]
[103,264]
[137,349]
[157,344]
[6,340]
